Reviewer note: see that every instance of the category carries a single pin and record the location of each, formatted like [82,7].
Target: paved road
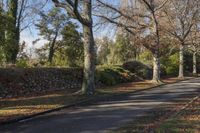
[106,115]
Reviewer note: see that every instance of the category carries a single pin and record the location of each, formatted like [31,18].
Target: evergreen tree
[50,26]
[71,46]
[12,46]
[103,49]
[2,27]
[84,16]
[123,49]
[2,32]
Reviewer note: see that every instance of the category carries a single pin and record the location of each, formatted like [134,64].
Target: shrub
[22,63]
[112,75]
[171,64]
[146,57]
[163,71]
[139,69]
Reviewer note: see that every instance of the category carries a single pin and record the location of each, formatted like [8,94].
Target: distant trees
[118,51]
[50,26]
[141,19]
[70,47]
[103,49]
[193,42]
[151,21]
[123,49]
[67,47]
[181,16]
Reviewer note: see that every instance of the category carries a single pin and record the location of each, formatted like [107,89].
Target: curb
[84,102]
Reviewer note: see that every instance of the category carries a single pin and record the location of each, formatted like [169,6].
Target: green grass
[17,107]
[176,126]
[187,121]
[144,124]
[160,120]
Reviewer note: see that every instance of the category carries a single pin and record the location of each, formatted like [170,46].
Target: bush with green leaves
[112,75]
[22,63]
[140,69]
[146,57]
[171,64]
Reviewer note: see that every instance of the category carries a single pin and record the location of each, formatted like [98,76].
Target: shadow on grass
[40,100]
[179,126]
[13,108]
[187,121]
[154,121]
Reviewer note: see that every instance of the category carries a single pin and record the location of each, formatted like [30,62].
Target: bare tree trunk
[88,85]
[194,63]
[181,61]
[156,55]
[52,50]
[89,61]
[156,69]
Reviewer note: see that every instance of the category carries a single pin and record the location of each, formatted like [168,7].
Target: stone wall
[25,81]
[17,82]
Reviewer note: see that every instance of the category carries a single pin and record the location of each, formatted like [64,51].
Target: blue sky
[31,34]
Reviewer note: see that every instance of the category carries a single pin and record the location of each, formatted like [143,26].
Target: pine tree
[2,27]
[12,46]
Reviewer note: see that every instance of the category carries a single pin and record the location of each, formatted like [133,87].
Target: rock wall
[16,82]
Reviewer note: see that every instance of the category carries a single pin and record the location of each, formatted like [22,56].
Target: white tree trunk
[181,61]
[194,63]
[156,69]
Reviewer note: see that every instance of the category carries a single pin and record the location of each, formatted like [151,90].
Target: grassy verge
[160,119]
[187,121]
[24,106]
[145,123]
[134,86]
[18,107]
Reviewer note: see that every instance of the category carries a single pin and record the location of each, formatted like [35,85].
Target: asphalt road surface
[104,116]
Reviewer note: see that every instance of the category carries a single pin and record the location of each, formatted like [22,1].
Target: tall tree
[11,47]
[50,26]
[20,15]
[153,7]
[2,32]
[181,16]
[139,17]
[2,23]
[123,49]
[194,45]
[70,48]
[84,15]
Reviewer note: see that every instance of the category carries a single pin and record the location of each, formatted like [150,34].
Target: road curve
[106,115]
